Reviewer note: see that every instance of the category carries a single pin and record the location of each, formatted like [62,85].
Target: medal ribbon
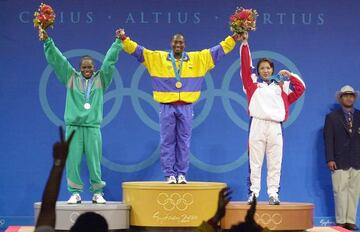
[177,71]
[277,78]
[88,88]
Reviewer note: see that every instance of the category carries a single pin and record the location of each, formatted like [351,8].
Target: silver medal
[87,106]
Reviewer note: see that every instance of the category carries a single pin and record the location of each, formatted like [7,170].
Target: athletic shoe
[171,180]
[181,179]
[74,199]
[274,200]
[98,198]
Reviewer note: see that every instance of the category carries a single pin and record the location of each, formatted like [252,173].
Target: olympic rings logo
[209,95]
[2,222]
[73,216]
[169,202]
[267,220]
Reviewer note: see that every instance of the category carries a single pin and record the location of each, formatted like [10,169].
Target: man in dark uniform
[342,143]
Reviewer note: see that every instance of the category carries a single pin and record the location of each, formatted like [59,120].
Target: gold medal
[178,85]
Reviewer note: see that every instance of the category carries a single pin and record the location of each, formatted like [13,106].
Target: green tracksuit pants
[87,140]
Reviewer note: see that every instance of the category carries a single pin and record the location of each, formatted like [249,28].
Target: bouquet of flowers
[243,20]
[44,17]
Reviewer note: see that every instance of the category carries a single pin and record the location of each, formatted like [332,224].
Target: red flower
[46,9]
[243,20]
[244,14]
[41,18]
[232,18]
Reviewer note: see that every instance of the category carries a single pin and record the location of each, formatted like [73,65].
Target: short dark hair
[86,57]
[269,61]
[176,35]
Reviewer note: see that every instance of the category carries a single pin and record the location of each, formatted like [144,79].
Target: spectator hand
[224,199]
[249,218]
[60,149]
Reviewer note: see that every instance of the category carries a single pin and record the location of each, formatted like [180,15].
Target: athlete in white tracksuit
[269,103]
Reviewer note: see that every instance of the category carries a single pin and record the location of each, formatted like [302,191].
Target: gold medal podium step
[288,216]
[157,204]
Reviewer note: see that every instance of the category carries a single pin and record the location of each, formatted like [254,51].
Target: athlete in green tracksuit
[83,113]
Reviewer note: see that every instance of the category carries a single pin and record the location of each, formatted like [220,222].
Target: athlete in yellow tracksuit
[177,77]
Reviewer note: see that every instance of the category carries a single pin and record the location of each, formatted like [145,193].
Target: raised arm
[142,54]
[57,60]
[246,66]
[47,216]
[212,224]
[214,54]
[111,58]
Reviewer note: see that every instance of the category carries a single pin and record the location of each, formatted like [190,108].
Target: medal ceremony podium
[288,216]
[158,206]
[115,213]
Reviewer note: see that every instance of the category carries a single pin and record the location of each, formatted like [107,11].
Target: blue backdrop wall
[318,41]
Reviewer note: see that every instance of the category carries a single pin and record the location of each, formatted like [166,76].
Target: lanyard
[88,88]
[277,78]
[177,71]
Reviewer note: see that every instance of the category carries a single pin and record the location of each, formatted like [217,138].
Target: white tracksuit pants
[265,137]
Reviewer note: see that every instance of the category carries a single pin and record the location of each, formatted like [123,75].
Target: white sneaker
[98,198]
[274,200]
[182,179]
[251,198]
[74,199]
[171,180]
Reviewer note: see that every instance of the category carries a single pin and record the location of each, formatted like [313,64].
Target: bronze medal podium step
[288,216]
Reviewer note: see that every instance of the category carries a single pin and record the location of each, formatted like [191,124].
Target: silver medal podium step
[115,213]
